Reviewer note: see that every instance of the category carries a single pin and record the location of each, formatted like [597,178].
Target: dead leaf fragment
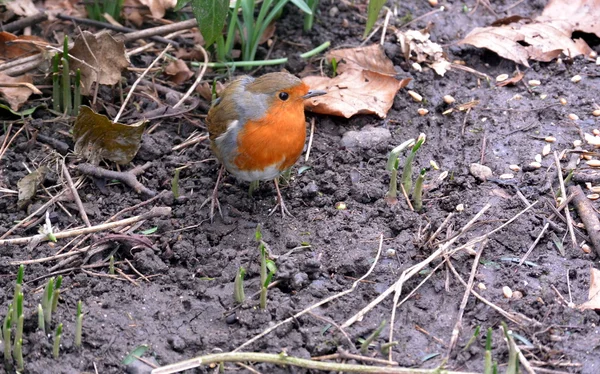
[584,15]
[158,8]
[98,138]
[29,184]
[12,46]
[512,81]
[594,291]
[23,8]
[178,72]
[16,90]
[416,46]
[370,58]
[104,66]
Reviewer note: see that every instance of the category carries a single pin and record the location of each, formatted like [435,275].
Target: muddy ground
[186,306]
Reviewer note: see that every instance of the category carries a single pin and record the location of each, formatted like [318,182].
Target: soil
[185,306]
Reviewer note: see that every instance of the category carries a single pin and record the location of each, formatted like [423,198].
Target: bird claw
[280,203]
[214,198]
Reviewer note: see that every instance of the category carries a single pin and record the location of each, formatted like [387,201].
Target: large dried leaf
[12,46]
[29,184]
[545,38]
[416,46]
[158,8]
[16,90]
[98,138]
[584,15]
[353,92]
[370,58]
[104,66]
[594,291]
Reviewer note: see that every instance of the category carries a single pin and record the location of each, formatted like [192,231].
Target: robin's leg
[214,199]
[280,203]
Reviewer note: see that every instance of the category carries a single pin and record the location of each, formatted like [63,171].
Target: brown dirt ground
[185,309]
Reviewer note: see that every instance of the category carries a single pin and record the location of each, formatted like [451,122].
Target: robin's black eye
[284,96]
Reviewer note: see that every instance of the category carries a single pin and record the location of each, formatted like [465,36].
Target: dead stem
[310,139]
[127,177]
[588,215]
[197,81]
[563,193]
[75,194]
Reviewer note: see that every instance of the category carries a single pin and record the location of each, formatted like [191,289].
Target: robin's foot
[280,203]
[214,199]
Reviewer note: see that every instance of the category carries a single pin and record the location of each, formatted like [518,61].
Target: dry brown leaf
[29,184]
[594,292]
[23,8]
[73,8]
[12,46]
[416,46]
[205,90]
[584,15]
[158,8]
[353,92]
[16,90]
[98,138]
[370,58]
[110,59]
[178,71]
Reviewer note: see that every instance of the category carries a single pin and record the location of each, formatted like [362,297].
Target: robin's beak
[314,93]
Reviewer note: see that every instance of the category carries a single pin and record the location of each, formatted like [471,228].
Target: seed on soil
[506,176]
[596,113]
[434,165]
[591,139]
[563,101]
[546,150]
[422,111]
[446,112]
[416,97]
[514,167]
[550,139]
[586,157]
[501,77]
[535,165]
[460,207]
[517,295]
[538,158]
[443,175]
[433,2]
[577,143]
[534,83]
[596,132]
[390,252]
[481,286]
[507,292]
[593,196]
[593,163]
[586,248]
[573,116]
[576,78]
[345,23]
[449,99]
[341,205]
[417,67]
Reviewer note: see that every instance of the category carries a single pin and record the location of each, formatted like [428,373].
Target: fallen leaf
[73,8]
[370,58]
[23,8]
[205,90]
[158,8]
[178,72]
[12,46]
[584,15]
[16,90]
[354,92]
[416,46]
[104,66]
[512,81]
[98,138]
[594,291]
[29,184]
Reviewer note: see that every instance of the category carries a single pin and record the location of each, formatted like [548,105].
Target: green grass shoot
[334,66]
[392,166]
[111,265]
[175,184]
[41,322]
[309,19]
[18,352]
[56,293]
[487,365]
[77,93]
[418,192]
[20,321]
[473,337]
[238,291]
[96,9]
[18,290]
[6,326]
[373,11]
[513,351]
[56,94]
[47,303]
[78,325]
[56,343]
[407,171]
[364,347]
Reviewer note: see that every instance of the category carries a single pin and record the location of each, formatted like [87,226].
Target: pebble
[333,12]
[231,319]
[299,280]
[176,343]
[367,137]
[517,295]
[480,172]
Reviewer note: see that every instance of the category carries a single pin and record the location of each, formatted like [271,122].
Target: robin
[257,129]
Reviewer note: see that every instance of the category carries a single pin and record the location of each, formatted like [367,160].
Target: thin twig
[75,194]
[310,139]
[197,81]
[563,192]
[532,246]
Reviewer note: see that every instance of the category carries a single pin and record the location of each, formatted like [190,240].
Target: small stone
[480,172]
[460,207]
[311,189]
[501,77]
[345,23]
[543,96]
[299,280]
[514,167]
[390,252]
[449,99]
[368,137]
[507,292]
[176,343]
[573,116]
[506,176]
[576,78]
[517,295]
[231,319]
[534,83]
[416,97]
[422,111]
[577,143]
[333,12]
[481,286]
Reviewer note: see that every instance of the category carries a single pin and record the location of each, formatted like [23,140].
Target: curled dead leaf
[101,62]
[98,138]
[584,15]
[16,90]
[12,46]
[29,184]
[511,81]
[594,291]
[178,72]
[416,46]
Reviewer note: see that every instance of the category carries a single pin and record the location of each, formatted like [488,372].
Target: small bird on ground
[257,129]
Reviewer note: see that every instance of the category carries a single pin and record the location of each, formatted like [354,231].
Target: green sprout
[418,192]
[309,18]
[78,325]
[407,171]
[20,320]
[175,184]
[364,347]
[373,11]
[77,93]
[487,365]
[473,337]
[56,97]
[18,291]
[111,265]
[392,166]
[238,290]
[18,351]
[267,271]
[6,335]
[385,347]
[56,293]
[334,66]
[41,322]
[47,303]
[513,351]
[56,344]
